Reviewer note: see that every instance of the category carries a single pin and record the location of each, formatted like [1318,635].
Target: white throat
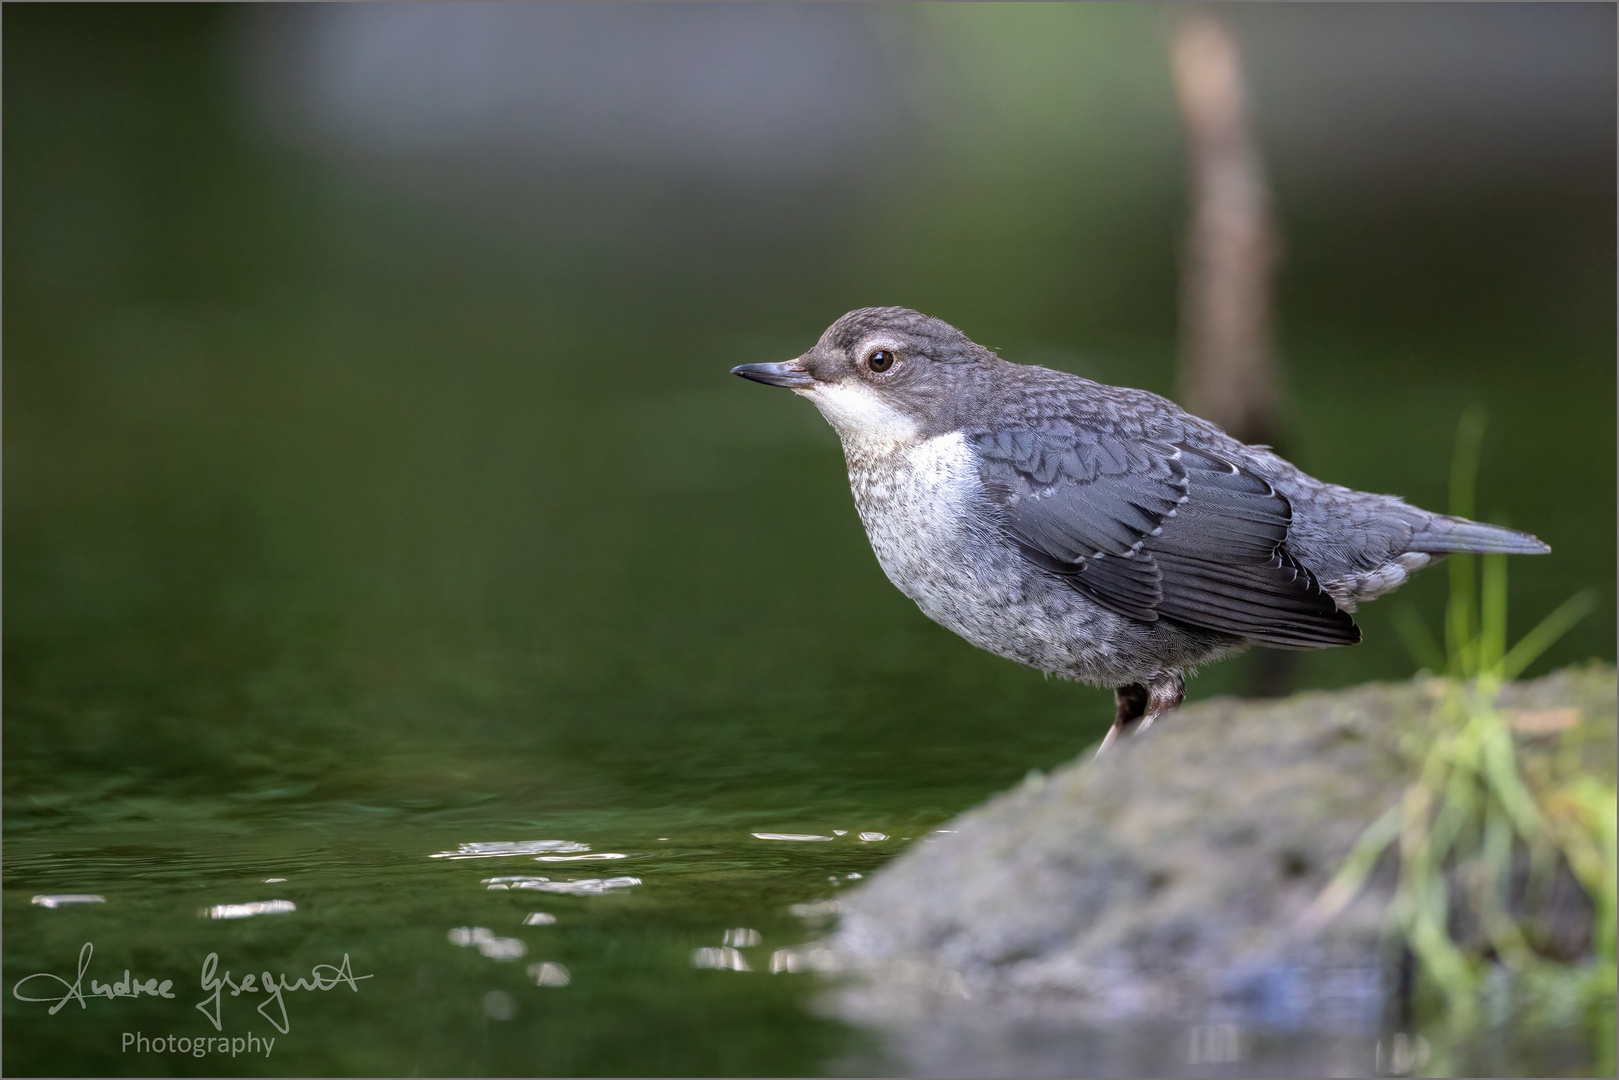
[862,419]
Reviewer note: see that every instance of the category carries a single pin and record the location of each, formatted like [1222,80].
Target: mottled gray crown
[936,339]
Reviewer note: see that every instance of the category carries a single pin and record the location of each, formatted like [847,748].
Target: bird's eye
[880,360]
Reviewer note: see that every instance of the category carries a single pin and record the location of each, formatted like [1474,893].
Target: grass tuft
[1476,847]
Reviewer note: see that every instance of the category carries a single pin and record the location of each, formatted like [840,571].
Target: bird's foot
[1139,706]
[1108,740]
[1130,704]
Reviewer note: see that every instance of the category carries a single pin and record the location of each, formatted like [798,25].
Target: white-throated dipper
[1095,532]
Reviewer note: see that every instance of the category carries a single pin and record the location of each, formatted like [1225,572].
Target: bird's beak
[789,373]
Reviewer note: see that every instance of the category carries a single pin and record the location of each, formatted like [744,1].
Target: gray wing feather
[1151,529]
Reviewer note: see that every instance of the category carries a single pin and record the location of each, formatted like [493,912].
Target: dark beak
[787,373]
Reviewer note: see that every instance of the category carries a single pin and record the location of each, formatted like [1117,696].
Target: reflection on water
[248,910]
[499,849]
[1402,1054]
[581,858]
[498,1005]
[579,887]
[549,974]
[488,943]
[818,909]
[451,951]
[719,922]
[794,961]
[60,899]
[719,959]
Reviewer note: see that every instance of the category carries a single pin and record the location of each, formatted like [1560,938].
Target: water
[344,529]
[365,888]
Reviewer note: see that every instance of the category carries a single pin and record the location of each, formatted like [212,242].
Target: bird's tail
[1443,533]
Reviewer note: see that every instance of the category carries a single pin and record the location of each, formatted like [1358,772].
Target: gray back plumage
[1154,513]
[1151,528]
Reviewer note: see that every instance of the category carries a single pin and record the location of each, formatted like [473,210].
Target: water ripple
[244,911]
[498,849]
[57,900]
[583,887]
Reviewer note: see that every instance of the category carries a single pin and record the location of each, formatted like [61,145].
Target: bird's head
[886,376]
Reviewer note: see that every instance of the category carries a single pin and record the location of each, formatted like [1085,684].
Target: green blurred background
[374,483]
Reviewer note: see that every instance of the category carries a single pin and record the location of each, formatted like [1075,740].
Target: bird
[1096,533]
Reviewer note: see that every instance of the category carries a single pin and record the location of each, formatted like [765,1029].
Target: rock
[1161,891]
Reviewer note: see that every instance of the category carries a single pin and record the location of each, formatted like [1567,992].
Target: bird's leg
[1131,703]
[1165,694]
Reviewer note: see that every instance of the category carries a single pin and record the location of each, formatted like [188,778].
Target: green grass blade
[1351,876]
[1464,463]
[1461,632]
[1461,628]
[1492,621]
[1543,636]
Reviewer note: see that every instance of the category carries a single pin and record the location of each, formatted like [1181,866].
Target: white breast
[917,504]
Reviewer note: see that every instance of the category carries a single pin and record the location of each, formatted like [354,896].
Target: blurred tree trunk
[1226,373]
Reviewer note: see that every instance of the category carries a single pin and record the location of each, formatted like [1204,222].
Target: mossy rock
[1168,880]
